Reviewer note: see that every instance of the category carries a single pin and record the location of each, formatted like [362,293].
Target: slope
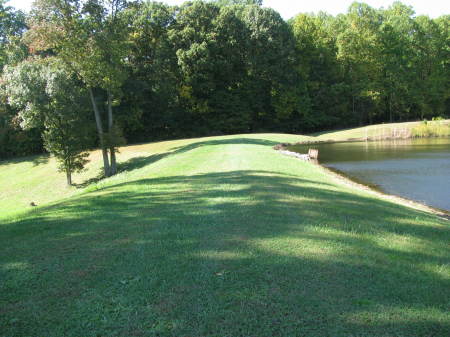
[223,237]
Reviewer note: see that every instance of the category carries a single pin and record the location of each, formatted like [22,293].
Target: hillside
[218,236]
[35,176]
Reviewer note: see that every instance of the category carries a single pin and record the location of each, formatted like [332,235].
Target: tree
[235,62]
[238,2]
[396,38]
[91,38]
[359,53]
[270,58]
[230,66]
[151,107]
[47,94]
[12,25]
[210,46]
[63,137]
[320,77]
[430,61]
[13,140]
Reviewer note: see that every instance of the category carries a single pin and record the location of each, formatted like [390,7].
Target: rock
[300,156]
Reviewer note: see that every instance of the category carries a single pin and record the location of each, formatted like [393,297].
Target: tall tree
[270,59]
[210,45]
[396,34]
[238,2]
[151,107]
[13,140]
[430,65]
[320,76]
[358,52]
[90,37]
[12,26]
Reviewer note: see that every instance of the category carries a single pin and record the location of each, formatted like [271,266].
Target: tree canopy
[152,71]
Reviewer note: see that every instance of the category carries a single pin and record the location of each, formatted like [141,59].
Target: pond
[417,169]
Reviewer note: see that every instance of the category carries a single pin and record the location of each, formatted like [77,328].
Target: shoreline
[343,178]
[283,146]
[348,181]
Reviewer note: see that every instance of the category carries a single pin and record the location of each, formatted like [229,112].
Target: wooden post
[313,154]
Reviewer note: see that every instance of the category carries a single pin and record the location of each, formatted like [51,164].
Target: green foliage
[63,139]
[49,97]
[234,63]
[238,2]
[439,118]
[114,137]
[92,39]
[232,66]
[14,141]
[321,85]
[89,36]
[12,25]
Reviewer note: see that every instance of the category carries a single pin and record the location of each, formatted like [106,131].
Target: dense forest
[98,73]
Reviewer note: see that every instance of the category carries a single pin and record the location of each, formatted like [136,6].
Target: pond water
[417,169]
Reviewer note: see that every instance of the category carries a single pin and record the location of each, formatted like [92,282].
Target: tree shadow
[97,178]
[142,161]
[127,166]
[324,132]
[36,160]
[234,254]
[233,141]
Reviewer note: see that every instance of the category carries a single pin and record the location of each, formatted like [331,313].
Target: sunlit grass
[438,128]
[385,131]
[217,237]
[36,178]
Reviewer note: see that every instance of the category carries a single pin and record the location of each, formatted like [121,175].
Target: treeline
[210,68]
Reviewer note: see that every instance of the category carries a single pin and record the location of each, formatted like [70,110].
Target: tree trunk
[112,149]
[69,177]
[98,121]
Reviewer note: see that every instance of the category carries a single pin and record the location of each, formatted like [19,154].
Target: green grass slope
[36,178]
[215,237]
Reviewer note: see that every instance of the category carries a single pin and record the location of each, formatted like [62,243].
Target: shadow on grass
[234,141]
[127,166]
[321,133]
[36,160]
[225,254]
[142,161]
[99,177]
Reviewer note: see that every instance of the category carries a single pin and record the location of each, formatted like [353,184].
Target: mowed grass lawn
[215,237]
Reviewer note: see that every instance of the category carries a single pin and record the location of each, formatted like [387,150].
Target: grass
[435,128]
[385,131]
[215,237]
